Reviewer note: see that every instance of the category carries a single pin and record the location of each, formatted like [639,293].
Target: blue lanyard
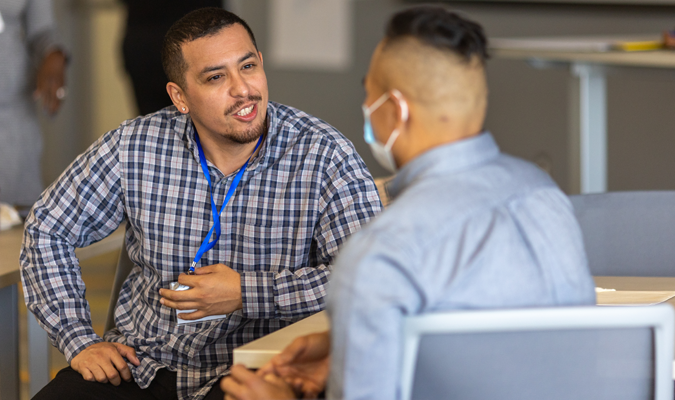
[206,244]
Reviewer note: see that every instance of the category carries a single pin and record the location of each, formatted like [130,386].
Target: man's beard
[249,135]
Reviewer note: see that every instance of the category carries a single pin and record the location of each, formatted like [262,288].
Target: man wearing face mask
[469,227]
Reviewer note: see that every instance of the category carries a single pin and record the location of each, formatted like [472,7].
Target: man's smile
[245,111]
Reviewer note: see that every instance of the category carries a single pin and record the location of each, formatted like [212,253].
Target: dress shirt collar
[446,159]
[184,123]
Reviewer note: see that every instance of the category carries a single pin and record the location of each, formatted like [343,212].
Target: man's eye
[215,77]
[249,66]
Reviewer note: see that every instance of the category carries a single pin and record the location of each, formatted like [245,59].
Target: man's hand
[215,289]
[104,362]
[50,81]
[304,364]
[243,384]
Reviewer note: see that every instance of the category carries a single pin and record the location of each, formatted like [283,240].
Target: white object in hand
[178,286]
[2,24]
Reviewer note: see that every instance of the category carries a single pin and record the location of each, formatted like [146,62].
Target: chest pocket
[268,248]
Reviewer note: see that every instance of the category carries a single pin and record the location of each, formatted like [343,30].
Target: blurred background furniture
[628,233]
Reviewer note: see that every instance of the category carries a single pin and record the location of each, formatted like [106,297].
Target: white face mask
[382,153]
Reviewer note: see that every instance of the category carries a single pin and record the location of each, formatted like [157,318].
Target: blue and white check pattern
[304,193]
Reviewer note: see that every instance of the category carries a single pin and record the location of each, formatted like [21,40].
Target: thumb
[129,353]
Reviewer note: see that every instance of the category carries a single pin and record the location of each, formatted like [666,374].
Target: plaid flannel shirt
[302,195]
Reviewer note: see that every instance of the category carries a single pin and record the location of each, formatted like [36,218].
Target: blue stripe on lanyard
[206,244]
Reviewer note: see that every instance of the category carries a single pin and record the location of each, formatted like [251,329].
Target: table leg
[38,355]
[589,123]
[9,350]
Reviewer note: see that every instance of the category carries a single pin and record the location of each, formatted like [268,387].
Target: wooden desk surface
[651,59]
[258,352]
[10,248]
[635,282]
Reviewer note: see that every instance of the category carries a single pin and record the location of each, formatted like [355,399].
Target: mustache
[240,103]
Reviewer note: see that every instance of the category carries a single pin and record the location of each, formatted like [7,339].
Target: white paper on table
[2,24]
[311,34]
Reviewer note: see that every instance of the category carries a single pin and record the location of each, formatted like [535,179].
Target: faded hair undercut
[440,28]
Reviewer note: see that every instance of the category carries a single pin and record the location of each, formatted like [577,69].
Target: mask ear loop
[403,104]
[404,117]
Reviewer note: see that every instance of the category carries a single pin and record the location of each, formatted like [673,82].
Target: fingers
[209,269]
[47,95]
[269,368]
[292,351]
[181,304]
[111,373]
[179,299]
[233,386]
[190,280]
[87,375]
[192,316]
[103,362]
[46,92]
[99,374]
[128,352]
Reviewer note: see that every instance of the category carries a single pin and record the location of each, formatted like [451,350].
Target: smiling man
[243,200]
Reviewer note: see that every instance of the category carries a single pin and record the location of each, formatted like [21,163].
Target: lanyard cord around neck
[206,244]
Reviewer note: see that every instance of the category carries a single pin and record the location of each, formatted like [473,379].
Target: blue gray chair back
[511,361]
[628,233]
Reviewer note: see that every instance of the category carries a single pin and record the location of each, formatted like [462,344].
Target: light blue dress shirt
[469,228]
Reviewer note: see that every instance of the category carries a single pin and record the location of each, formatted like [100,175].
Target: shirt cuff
[257,295]
[75,339]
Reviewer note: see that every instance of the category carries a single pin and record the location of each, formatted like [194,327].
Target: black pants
[69,385]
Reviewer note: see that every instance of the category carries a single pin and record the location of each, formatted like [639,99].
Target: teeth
[244,112]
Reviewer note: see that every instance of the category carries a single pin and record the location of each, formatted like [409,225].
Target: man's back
[470,228]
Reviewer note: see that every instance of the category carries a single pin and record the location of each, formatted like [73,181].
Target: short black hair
[440,28]
[194,25]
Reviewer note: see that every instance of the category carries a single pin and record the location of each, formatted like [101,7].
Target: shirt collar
[446,159]
[184,123]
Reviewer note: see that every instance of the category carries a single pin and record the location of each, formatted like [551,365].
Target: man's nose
[239,87]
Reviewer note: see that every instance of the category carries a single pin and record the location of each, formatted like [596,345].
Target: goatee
[249,135]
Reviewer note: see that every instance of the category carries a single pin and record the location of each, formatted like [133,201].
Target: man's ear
[261,59]
[177,97]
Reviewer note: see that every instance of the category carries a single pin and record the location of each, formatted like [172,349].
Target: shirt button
[184,367]
[186,348]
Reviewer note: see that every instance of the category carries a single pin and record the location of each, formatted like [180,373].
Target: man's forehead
[228,44]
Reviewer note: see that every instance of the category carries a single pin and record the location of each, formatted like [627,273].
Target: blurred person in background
[32,70]
[147,23]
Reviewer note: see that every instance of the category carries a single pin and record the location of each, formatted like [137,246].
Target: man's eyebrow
[212,68]
[206,70]
[249,55]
